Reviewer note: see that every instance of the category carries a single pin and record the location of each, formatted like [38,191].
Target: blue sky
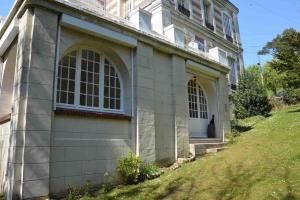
[260,21]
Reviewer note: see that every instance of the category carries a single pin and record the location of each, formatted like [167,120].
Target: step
[204,140]
[200,149]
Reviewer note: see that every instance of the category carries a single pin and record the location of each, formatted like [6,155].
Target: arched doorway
[198,110]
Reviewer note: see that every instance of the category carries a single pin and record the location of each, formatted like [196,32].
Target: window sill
[5,118]
[93,114]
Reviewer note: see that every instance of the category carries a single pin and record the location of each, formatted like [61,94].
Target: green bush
[289,96]
[250,98]
[298,94]
[129,168]
[149,171]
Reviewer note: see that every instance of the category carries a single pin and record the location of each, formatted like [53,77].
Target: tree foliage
[251,98]
[285,49]
[272,79]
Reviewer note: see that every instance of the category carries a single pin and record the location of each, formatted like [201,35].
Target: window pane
[89,85]
[66,79]
[112,90]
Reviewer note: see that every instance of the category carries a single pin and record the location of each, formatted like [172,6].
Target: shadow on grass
[241,129]
[136,190]
[237,183]
[294,111]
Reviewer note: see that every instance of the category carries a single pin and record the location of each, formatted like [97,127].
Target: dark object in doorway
[211,130]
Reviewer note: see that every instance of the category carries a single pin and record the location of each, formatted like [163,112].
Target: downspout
[57,52]
[134,112]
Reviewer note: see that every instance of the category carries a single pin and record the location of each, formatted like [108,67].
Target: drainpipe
[133,105]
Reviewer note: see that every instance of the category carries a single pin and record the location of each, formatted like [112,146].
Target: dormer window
[227,27]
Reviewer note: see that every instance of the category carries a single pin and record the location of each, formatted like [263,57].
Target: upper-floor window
[88,80]
[200,43]
[227,27]
[183,7]
[231,64]
[208,15]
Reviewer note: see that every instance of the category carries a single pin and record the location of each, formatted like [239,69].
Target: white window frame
[76,105]
[198,86]
[224,13]
[235,69]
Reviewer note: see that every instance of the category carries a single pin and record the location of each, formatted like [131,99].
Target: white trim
[230,23]
[98,31]
[9,36]
[76,104]
[198,67]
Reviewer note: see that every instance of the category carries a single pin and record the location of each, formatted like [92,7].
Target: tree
[272,79]
[250,98]
[285,49]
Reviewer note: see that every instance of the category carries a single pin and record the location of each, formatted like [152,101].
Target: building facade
[86,82]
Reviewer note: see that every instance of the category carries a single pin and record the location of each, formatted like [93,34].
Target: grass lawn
[263,163]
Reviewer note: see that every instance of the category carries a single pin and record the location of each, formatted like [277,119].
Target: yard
[262,163]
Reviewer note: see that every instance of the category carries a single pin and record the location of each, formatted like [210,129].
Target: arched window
[88,80]
[197,101]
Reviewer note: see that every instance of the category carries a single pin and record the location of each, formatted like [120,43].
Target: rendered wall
[4,154]
[84,149]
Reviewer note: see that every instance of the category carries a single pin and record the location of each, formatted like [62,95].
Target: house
[85,82]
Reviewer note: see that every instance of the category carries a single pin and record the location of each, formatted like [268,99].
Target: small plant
[149,171]
[107,186]
[2,196]
[73,193]
[129,168]
[87,189]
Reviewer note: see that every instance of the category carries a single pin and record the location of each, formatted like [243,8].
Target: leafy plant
[289,96]
[149,171]
[250,99]
[87,189]
[129,168]
[73,193]
[107,185]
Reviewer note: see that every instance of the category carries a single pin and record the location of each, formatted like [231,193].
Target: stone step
[204,140]
[200,149]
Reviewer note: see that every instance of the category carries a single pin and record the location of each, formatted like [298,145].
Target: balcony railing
[229,38]
[209,25]
[184,11]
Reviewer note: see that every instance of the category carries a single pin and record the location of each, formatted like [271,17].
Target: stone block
[34,155]
[35,171]
[36,188]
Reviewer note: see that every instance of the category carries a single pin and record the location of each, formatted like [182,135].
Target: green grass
[263,163]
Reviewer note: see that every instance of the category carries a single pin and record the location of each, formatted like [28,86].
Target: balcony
[184,11]
[209,25]
[229,38]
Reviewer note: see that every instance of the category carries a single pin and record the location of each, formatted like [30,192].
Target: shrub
[250,98]
[149,171]
[298,94]
[129,168]
[289,96]
[276,102]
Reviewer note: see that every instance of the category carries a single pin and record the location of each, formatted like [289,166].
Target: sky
[260,21]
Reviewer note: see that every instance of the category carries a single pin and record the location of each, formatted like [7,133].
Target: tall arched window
[197,101]
[88,80]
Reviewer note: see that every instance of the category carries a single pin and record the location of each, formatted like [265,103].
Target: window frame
[224,13]
[76,105]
